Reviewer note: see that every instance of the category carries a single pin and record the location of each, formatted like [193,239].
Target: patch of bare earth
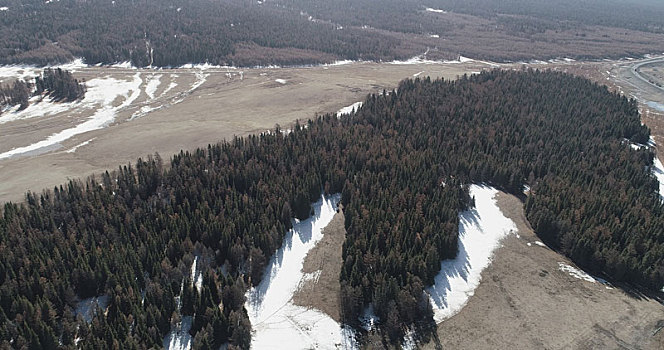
[324,262]
[526,302]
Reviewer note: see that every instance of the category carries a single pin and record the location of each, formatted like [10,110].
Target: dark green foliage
[402,163]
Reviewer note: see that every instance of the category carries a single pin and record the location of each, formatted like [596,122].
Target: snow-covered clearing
[349,109]
[276,321]
[101,95]
[152,85]
[87,307]
[480,232]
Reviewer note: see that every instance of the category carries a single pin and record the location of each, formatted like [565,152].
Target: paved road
[635,70]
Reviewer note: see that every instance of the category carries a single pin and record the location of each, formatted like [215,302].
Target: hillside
[169,246]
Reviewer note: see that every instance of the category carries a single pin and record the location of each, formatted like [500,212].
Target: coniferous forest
[401,164]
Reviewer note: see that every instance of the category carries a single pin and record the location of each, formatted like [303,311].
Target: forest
[402,163]
[57,84]
[249,33]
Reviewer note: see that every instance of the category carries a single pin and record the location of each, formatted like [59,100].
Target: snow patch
[540,244]
[480,232]
[582,275]
[125,65]
[4,8]
[280,81]
[349,109]
[274,318]
[429,9]
[196,276]
[152,86]
[87,307]
[418,74]
[179,338]
[101,93]
[368,319]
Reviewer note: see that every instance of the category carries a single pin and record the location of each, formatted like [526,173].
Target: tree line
[402,164]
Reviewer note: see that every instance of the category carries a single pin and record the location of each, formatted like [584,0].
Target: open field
[204,106]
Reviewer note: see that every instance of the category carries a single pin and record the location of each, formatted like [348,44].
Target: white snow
[429,9]
[87,307]
[340,63]
[540,244]
[582,275]
[658,171]
[418,74]
[170,87]
[276,321]
[101,93]
[349,109]
[434,36]
[280,81]
[73,149]
[179,338]
[480,232]
[196,276]
[152,86]
[368,319]
[125,65]
[408,342]
[4,8]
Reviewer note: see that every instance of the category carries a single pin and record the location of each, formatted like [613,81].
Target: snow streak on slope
[276,321]
[480,232]
[101,94]
[152,86]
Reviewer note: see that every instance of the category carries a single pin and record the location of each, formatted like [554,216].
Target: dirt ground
[526,302]
[325,258]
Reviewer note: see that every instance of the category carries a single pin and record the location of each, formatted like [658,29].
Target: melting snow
[179,338]
[274,318]
[100,92]
[4,8]
[582,275]
[87,307]
[368,319]
[418,74]
[434,36]
[152,86]
[280,81]
[196,276]
[480,232]
[73,149]
[429,9]
[540,244]
[349,109]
